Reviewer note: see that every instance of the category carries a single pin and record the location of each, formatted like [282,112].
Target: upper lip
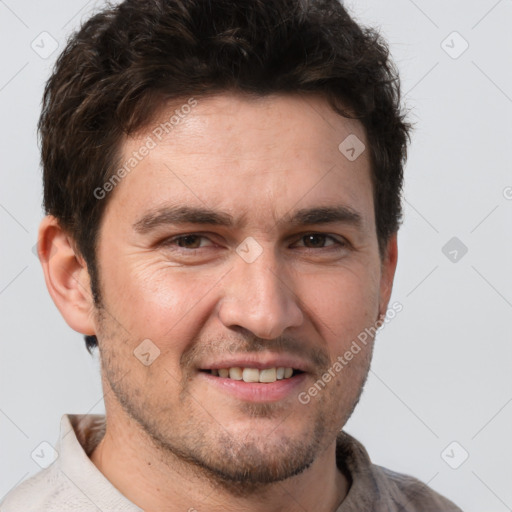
[259,361]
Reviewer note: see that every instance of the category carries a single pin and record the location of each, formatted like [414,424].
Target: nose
[259,298]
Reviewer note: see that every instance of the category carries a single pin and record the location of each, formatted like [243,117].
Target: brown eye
[314,241]
[319,241]
[192,241]
[189,241]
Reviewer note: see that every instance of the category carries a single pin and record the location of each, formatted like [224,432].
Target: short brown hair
[126,61]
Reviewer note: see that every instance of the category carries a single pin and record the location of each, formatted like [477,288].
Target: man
[222,186]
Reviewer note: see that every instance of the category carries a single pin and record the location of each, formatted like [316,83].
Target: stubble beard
[200,445]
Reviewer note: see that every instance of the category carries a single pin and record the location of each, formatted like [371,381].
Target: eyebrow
[324,215]
[174,215]
[182,215]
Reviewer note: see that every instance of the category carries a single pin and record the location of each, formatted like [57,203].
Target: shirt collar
[79,435]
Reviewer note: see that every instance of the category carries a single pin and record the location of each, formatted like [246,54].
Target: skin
[174,441]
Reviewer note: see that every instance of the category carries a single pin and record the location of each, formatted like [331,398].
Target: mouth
[254,375]
[257,377]
[257,385]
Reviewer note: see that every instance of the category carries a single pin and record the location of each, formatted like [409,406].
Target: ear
[388,267]
[66,276]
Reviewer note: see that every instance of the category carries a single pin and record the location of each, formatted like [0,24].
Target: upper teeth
[253,374]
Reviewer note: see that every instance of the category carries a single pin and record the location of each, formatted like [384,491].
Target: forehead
[301,123]
[264,155]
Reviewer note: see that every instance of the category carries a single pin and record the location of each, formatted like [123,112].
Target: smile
[264,375]
[256,384]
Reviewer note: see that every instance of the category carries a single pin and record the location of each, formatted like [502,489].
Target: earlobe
[66,276]
[388,266]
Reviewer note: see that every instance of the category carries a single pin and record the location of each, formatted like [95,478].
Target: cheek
[158,301]
[341,305]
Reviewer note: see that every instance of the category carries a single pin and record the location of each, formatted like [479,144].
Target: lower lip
[255,391]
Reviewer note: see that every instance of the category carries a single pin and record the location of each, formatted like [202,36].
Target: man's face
[287,274]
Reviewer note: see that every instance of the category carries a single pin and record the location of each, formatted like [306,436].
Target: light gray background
[442,367]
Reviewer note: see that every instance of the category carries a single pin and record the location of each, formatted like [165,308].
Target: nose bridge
[258,298]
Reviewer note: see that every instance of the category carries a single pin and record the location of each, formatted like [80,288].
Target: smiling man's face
[244,239]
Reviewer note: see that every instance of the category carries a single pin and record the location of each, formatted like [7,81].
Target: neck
[156,481]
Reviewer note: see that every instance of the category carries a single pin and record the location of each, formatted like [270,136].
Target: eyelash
[173,241]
